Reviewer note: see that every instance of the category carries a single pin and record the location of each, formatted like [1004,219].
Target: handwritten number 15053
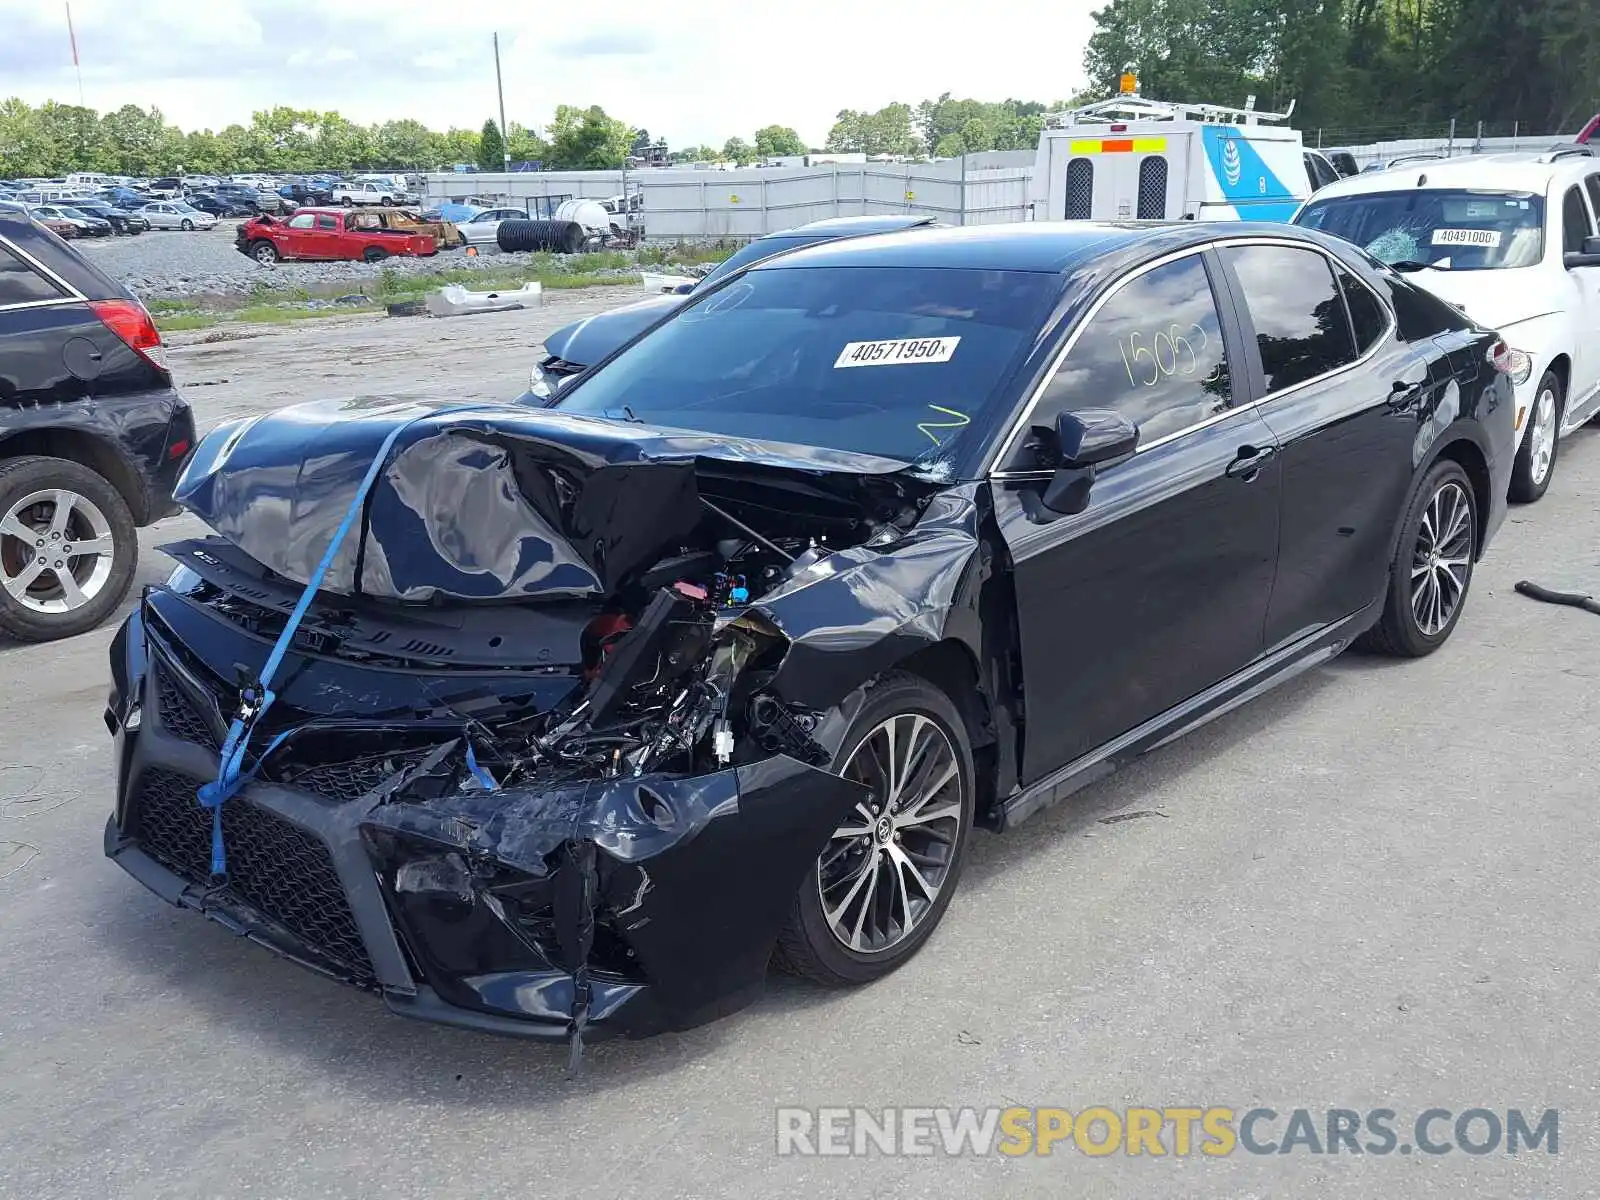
[1170,352]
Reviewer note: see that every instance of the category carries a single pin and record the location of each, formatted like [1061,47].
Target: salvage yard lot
[1374,887]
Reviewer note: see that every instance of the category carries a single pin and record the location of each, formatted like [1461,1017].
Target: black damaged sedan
[568,722]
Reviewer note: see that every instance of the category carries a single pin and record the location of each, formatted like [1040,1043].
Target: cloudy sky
[688,70]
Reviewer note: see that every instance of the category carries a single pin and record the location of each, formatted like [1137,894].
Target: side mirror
[1589,256]
[1094,437]
[683,289]
[1080,446]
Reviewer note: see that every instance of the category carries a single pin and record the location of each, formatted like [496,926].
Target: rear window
[1455,230]
[899,362]
[21,284]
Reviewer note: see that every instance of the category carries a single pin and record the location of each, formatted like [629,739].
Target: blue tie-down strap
[254,701]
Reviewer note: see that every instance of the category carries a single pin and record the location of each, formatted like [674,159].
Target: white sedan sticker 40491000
[897,351]
[1489,238]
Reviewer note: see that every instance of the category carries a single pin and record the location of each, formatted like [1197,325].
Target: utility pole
[505,133]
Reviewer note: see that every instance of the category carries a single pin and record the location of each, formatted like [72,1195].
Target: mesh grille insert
[274,867]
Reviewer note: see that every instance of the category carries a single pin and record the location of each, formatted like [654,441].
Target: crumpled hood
[1495,300]
[587,341]
[491,502]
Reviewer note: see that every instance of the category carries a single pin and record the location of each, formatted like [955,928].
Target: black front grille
[352,779]
[274,866]
[179,715]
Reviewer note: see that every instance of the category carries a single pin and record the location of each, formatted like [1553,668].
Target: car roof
[1048,246]
[870,223]
[1515,171]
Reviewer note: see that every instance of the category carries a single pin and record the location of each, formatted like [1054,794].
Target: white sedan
[481,230]
[176,214]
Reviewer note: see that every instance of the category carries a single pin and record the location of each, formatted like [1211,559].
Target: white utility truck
[1129,158]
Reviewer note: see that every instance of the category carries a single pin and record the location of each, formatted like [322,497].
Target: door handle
[1247,465]
[1404,394]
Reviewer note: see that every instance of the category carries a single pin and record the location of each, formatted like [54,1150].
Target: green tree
[133,139]
[737,150]
[526,145]
[778,141]
[586,139]
[491,148]
[402,144]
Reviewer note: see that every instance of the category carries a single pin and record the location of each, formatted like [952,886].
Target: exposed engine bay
[563,708]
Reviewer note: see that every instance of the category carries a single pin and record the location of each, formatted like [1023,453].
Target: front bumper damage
[549,753]
[626,906]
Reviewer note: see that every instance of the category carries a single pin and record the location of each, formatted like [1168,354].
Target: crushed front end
[539,762]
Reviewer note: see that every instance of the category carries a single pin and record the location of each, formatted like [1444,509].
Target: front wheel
[887,874]
[187,225]
[68,548]
[1432,566]
[1535,464]
[265,253]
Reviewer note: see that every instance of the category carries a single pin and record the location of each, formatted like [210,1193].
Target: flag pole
[73,38]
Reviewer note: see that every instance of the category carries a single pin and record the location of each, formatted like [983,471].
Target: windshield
[893,361]
[755,251]
[186,208]
[74,212]
[1455,230]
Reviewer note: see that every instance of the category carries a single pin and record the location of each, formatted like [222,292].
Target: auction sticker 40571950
[896,351]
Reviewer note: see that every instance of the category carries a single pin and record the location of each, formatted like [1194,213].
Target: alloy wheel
[881,872]
[1442,559]
[1543,434]
[56,551]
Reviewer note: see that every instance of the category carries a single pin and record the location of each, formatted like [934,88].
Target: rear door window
[1368,318]
[1575,222]
[1301,327]
[21,284]
[328,223]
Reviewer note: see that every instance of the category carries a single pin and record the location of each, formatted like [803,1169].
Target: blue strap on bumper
[255,700]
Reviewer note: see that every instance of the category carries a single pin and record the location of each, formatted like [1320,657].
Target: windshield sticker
[896,352]
[1467,237]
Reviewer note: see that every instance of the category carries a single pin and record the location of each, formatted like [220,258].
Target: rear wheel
[1535,463]
[348,202]
[374,254]
[68,548]
[886,876]
[1432,567]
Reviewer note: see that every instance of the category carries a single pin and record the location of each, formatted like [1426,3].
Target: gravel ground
[171,265]
[1372,887]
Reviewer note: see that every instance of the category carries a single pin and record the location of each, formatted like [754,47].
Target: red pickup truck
[327,233]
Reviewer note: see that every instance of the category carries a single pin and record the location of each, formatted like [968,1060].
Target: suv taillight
[129,320]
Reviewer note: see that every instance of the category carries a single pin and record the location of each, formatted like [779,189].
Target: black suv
[92,434]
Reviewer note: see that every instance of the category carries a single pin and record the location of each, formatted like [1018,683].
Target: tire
[374,254]
[41,611]
[186,225]
[1400,631]
[384,201]
[265,253]
[1535,465]
[348,202]
[808,944]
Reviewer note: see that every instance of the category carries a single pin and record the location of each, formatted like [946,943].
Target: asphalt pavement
[1372,888]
